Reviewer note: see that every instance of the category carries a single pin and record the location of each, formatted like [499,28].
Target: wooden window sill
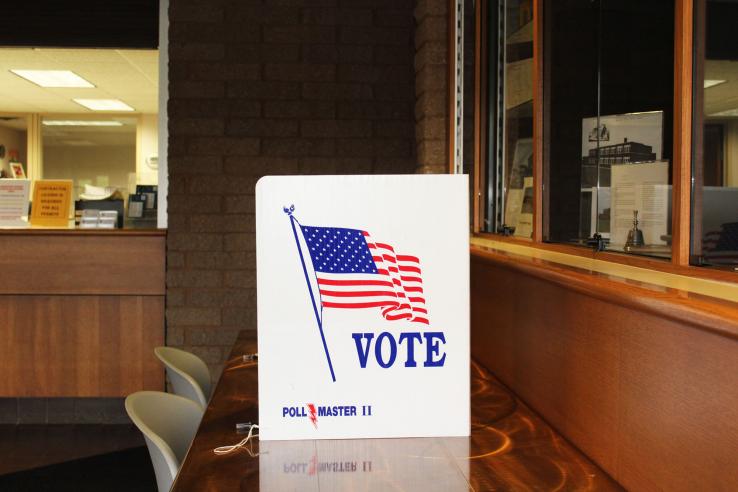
[707,304]
[643,262]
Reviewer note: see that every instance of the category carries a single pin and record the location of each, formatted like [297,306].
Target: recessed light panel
[81,123]
[712,83]
[53,78]
[727,112]
[104,104]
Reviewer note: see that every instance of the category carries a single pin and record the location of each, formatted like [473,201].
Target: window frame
[682,151]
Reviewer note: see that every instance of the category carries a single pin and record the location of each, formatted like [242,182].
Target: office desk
[510,448]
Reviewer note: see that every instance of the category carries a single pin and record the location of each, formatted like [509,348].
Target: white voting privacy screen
[363,306]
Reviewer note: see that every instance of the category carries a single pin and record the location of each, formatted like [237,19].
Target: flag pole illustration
[353,271]
[318,319]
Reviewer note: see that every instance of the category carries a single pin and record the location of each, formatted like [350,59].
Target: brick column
[431,85]
[270,87]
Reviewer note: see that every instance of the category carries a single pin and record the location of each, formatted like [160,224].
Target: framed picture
[619,139]
[613,140]
[17,171]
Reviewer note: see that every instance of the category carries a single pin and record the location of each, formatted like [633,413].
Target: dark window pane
[510,109]
[609,66]
[570,46]
[715,142]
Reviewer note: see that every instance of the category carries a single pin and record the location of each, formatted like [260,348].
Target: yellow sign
[51,203]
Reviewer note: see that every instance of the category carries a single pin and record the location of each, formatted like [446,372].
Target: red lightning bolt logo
[313,416]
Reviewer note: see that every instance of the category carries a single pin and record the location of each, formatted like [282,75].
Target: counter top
[38,231]
[716,314]
[510,448]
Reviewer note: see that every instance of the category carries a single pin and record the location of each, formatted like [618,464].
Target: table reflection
[364,464]
[510,448]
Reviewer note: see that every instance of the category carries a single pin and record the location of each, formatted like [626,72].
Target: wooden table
[510,448]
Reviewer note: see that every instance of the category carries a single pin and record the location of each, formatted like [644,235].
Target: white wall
[731,153]
[12,140]
[163,117]
[147,144]
[92,164]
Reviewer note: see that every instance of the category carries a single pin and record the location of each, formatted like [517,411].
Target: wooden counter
[642,378]
[80,312]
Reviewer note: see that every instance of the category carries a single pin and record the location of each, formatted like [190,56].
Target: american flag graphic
[354,272]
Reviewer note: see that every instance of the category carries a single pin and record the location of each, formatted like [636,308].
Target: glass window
[508,197]
[497,116]
[86,115]
[95,152]
[715,136]
[608,82]
[13,145]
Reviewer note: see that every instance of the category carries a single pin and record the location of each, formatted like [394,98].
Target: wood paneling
[53,346]
[74,263]
[682,168]
[538,134]
[707,313]
[510,448]
[642,380]
[81,312]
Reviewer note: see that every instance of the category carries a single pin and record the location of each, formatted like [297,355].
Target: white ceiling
[129,75]
[92,135]
[80,136]
[723,97]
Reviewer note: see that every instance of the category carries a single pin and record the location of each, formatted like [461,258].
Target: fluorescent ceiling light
[104,104]
[729,112]
[81,123]
[53,78]
[78,143]
[712,83]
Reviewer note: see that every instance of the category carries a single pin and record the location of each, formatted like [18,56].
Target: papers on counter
[14,202]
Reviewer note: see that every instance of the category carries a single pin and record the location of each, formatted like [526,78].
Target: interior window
[85,115]
[715,160]
[608,79]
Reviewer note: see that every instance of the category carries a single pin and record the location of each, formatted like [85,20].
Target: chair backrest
[168,423]
[187,372]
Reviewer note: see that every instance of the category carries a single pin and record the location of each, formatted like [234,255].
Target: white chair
[168,423]
[187,372]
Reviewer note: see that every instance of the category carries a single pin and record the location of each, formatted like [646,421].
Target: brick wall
[431,85]
[278,87]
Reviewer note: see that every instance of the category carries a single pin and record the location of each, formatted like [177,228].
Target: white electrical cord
[234,447]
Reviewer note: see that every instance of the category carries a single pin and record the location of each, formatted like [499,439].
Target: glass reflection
[517,128]
[363,464]
[510,448]
[608,67]
[715,172]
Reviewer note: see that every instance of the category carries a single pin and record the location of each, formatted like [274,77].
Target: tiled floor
[24,447]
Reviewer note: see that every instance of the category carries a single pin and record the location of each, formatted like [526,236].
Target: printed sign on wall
[363,306]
